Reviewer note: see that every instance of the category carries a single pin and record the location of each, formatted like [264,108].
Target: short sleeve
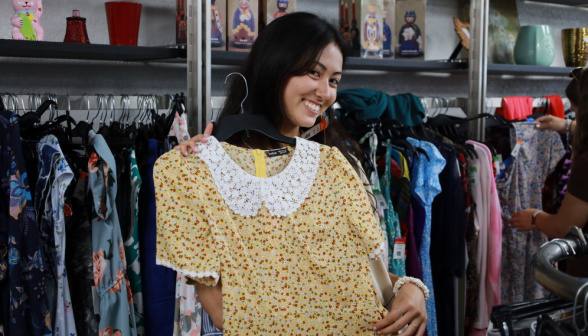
[184,239]
[358,209]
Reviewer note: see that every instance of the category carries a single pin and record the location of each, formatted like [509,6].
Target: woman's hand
[202,138]
[552,123]
[409,309]
[522,220]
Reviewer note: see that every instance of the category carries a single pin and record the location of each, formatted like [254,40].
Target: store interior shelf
[354,63]
[102,52]
[527,70]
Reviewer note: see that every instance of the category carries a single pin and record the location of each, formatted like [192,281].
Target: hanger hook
[88,99]
[575,304]
[112,111]
[68,102]
[246,88]
[15,99]
[99,103]
[170,100]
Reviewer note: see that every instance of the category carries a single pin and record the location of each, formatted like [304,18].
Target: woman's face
[308,96]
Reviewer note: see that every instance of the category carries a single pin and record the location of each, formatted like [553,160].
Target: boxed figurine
[278,8]
[410,26]
[388,29]
[181,22]
[242,28]
[218,27]
[365,33]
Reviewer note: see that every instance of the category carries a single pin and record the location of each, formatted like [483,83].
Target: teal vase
[535,46]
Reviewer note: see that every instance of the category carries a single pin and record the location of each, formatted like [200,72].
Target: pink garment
[489,226]
[516,108]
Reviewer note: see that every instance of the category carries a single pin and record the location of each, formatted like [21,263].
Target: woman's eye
[314,73]
[334,81]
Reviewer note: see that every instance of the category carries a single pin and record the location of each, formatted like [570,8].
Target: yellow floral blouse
[293,249]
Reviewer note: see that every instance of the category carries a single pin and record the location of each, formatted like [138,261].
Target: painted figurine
[26,21]
[216,26]
[282,6]
[372,32]
[409,37]
[387,39]
[243,26]
[181,20]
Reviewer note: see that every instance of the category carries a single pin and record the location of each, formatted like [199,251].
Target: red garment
[516,108]
[556,106]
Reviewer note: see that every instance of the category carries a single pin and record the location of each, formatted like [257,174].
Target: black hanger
[229,125]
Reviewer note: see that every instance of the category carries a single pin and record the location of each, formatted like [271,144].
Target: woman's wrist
[410,280]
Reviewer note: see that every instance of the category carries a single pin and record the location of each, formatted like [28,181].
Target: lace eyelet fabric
[282,194]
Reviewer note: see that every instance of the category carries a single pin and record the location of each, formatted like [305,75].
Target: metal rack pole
[194,66]
[207,64]
[478,65]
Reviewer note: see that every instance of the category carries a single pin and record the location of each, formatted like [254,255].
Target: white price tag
[474,177]
[399,247]
[517,148]
[381,202]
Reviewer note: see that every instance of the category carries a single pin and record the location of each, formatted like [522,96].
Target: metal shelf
[102,52]
[527,70]
[580,3]
[354,63]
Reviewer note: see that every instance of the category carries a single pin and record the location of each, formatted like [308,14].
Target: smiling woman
[282,242]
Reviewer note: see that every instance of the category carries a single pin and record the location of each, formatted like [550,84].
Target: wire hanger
[229,125]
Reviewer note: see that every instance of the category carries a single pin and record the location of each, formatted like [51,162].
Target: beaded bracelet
[406,279]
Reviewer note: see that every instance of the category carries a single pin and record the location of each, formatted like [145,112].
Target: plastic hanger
[229,125]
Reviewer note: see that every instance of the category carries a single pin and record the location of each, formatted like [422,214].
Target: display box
[242,27]
[181,22]
[278,8]
[389,29]
[361,24]
[410,26]
[218,24]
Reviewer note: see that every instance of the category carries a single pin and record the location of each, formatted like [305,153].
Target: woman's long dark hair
[289,46]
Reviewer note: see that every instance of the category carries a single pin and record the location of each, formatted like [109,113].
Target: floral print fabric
[188,317]
[309,270]
[179,128]
[426,185]
[112,285]
[64,318]
[23,293]
[132,246]
[518,189]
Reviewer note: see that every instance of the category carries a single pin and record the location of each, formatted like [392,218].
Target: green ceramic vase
[534,46]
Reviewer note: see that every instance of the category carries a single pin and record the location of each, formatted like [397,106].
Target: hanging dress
[112,284]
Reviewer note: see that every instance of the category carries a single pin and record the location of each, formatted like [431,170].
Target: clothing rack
[539,102]
[86,102]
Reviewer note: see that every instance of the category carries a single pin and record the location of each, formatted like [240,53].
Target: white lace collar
[282,194]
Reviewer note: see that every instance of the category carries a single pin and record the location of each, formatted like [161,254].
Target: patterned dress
[426,185]
[292,249]
[132,247]
[112,284]
[520,188]
[22,283]
[64,318]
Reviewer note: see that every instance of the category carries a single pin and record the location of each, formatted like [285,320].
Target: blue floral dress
[117,316]
[426,185]
[23,294]
[519,187]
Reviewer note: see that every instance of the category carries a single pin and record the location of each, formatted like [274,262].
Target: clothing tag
[517,148]
[316,129]
[277,152]
[399,247]
[497,164]
[381,202]
[80,187]
[96,300]
[474,177]
[457,165]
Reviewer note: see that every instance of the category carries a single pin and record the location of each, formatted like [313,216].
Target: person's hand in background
[202,138]
[554,123]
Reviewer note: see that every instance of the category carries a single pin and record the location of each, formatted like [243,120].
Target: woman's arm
[555,124]
[211,298]
[573,212]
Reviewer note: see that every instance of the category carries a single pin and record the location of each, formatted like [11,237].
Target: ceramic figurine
[387,40]
[409,36]
[216,27]
[354,34]
[243,25]
[371,33]
[26,21]
[282,6]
